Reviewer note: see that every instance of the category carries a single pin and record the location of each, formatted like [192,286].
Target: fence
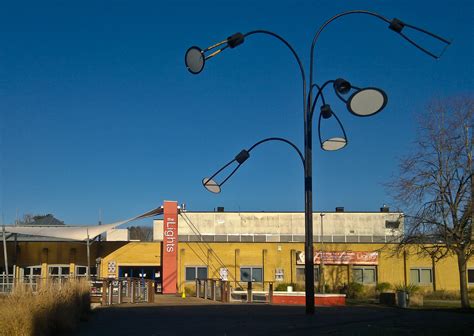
[104,291]
[218,290]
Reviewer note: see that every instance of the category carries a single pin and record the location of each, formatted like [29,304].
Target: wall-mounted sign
[341,258]
[224,274]
[279,274]
[111,267]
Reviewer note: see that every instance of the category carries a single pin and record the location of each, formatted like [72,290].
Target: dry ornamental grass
[54,309]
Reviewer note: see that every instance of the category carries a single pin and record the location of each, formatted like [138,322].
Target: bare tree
[435,185]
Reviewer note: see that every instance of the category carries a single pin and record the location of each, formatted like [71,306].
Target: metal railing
[219,290]
[111,291]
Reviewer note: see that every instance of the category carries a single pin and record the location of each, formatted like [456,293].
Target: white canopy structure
[82,233]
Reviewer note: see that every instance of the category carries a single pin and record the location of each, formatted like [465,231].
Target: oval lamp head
[367,102]
[194,60]
[211,185]
[334,144]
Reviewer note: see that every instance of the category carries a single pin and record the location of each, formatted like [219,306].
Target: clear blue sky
[99,112]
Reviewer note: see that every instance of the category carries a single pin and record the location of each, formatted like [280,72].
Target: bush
[283,287]
[410,288]
[52,310]
[353,290]
[383,287]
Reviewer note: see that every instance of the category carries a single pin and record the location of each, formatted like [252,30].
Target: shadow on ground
[254,319]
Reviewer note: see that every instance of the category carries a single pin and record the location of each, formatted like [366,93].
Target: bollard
[198,288]
[151,292]
[270,292]
[104,292]
[223,296]
[111,292]
[205,289]
[228,292]
[119,292]
[213,290]
[249,292]
[132,292]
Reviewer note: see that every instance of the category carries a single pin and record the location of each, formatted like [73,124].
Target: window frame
[467,274]
[251,273]
[60,273]
[316,272]
[364,268]
[195,267]
[419,269]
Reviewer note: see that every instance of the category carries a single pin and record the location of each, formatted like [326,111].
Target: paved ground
[191,316]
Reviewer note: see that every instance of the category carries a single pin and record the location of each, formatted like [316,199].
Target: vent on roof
[220,209]
[339,209]
[384,208]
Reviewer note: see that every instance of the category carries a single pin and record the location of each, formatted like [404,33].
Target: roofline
[301,212]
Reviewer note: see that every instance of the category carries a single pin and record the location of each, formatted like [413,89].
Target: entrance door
[143,272]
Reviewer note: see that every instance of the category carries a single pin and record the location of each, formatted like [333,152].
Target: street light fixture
[364,102]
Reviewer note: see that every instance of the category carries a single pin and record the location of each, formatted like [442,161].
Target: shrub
[443,295]
[353,290]
[383,287]
[410,288]
[52,310]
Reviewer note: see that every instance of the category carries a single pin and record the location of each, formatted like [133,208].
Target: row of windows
[363,274]
[57,271]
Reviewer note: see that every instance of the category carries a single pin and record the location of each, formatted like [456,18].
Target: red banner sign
[170,247]
[341,258]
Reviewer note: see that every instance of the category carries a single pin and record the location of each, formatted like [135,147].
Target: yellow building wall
[269,256]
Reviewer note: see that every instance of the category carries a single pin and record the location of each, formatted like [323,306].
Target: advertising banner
[341,258]
[170,247]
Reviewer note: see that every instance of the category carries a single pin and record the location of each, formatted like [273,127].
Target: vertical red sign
[170,247]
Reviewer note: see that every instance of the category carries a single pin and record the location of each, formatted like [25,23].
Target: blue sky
[99,112]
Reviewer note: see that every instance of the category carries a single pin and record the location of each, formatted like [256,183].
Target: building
[246,246]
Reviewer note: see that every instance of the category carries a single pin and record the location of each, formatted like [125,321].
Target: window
[364,275]
[58,271]
[470,276]
[195,272]
[300,274]
[392,224]
[81,271]
[33,272]
[421,276]
[251,274]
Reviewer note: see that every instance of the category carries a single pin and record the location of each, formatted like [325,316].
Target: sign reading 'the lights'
[170,247]
[342,258]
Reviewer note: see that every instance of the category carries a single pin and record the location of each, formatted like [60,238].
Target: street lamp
[364,102]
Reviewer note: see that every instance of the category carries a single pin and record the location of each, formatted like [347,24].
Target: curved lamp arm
[243,156]
[297,58]
[394,24]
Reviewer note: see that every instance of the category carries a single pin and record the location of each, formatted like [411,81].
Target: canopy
[76,232]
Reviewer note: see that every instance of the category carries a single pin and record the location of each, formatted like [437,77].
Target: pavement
[192,316]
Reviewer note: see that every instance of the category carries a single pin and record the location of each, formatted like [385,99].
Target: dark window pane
[64,270]
[316,273]
[202,272]
[81,270]
[245,274]
[190,273]
[54,270]
[257,274]
[470,276]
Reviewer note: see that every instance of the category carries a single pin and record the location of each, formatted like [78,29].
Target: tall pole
[321,270]
[5,252]
[88,256]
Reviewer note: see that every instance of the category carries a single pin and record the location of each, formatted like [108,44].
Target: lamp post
[364,102]
[321,267]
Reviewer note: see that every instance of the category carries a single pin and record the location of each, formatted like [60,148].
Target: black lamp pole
[195,60]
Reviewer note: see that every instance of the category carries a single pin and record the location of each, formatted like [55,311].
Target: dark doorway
[143,272]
